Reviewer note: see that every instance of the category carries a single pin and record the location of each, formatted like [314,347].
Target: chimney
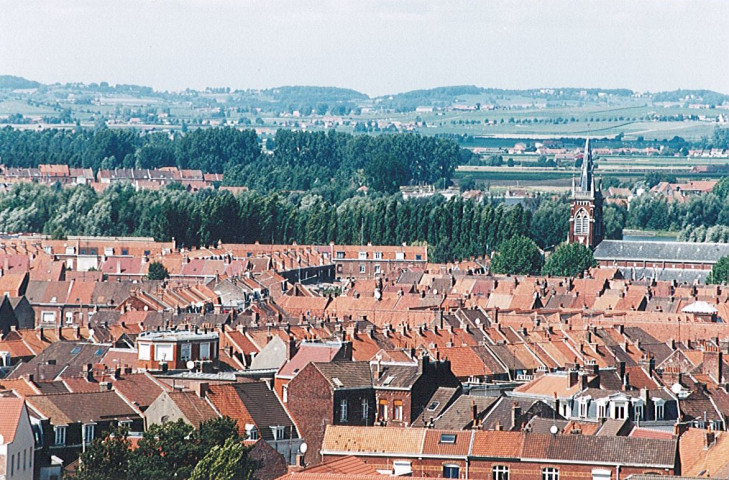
[474,415]
[117,373]
[41,334]
[89,371]
[620,367]
[202,389]
[572,378]
[60,332]
[515,414]
[104,386]
[712,363]
[626,382]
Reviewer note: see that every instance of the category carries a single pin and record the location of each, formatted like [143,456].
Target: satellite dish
[554,429]
[303,447]
[190,364]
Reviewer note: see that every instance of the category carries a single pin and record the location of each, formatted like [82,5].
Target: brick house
[330,393]
[174,349]
[501,455]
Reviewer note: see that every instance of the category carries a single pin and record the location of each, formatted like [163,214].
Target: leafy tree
[106,458]
[569,260]
[719,272]
[518,255]
[614,218]
[157,271]
[550,223]
[226,462]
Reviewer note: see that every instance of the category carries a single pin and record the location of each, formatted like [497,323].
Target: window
[69,318]
[433,406]
[362,255]
[377,269]
[402,468]
[126,424]
[343,411]
[12,464]
[399,255]
[602,410]
[583,408]
[285,391]
[500,472]
[377,255]
[638,411]
[145,351]
[205,351]
[660,410]
[251,432]
[185,351]
[451,471]
[619,411]
[601,474]
[418,257]
[447,438]
[365,409]
[362,268]
[60,434]
[278,432]
[88,433]
[550,473]
[48,317]
[382,411]
[340,255]
[582,222]
[163,352]
[397,411]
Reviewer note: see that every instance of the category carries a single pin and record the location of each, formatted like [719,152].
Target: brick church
[586,223]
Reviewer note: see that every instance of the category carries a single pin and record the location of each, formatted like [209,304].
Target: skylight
[337,382]
[388,380]
[433,406]
[75,350]
[447,438]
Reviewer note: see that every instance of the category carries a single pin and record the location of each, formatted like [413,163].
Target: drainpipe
[617,472]
[467,464]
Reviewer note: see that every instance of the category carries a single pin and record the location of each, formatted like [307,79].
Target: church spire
[586,176]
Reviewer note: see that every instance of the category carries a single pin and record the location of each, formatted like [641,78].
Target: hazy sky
[377,47]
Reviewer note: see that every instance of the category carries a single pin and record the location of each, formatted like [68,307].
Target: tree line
[333,163]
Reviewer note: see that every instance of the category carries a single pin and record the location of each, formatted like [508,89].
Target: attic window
[337,382]
[447,438]
[433,406]
[388,380]
[75,350]
[99,352]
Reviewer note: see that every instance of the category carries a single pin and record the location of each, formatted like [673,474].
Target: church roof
[706,253]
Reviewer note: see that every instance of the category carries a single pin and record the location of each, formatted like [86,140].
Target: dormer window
[362,255]
[377,255]
[660,408]
[251,432]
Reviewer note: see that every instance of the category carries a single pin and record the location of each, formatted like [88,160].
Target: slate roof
[69,357]
[67,408]
[612,450]
[661,251]
[440,401]
[460,414]
[349,374]
[252,402]
[396,376]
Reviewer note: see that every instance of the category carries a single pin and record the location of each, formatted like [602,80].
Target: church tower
[586,223]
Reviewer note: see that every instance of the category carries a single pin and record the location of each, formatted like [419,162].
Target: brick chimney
[712,363]
[515,414]
[572,378]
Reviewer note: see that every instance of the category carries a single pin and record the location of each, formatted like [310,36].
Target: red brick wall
[310,403]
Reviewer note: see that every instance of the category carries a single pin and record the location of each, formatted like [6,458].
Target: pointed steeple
[586,176]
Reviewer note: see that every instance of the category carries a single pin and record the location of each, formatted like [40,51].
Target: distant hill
[13,83]
[692,96]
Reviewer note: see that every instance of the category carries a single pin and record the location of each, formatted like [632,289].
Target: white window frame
[377,255]
[59,432]
[205,351]
[583,407]
[602,410]
[660,409]
[145,351]
[161,351]
[365,409]
[402,468]
[362,256]
[362,268]
[500,472]
[453,468]
[638,411]
[285,393]
[185,352]
[343,414]
[397,411]
[550,473]
[251,432]
[89,429]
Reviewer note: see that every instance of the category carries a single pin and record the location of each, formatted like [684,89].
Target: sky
[374,46]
